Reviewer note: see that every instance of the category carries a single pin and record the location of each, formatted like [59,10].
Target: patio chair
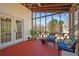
[67,45]
[51,38]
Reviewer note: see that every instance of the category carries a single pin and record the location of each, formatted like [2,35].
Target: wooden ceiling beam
[52,8]
[55,5]
[59,11]
[48,7]
[50,11]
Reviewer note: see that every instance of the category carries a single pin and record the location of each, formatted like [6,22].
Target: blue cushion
[64,46]
[51,38]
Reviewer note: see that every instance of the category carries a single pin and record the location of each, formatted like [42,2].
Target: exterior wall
[17,11]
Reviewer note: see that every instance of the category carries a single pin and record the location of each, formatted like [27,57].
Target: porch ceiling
[48,7]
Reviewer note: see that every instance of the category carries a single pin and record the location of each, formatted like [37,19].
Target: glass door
[18,29]
[5,29]
[6,37]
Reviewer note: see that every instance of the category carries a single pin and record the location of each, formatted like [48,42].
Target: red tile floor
[31,48]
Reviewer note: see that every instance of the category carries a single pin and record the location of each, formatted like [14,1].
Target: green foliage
[61,22]
[33,32]
[52,25]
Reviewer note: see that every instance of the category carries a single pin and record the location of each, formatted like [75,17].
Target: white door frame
[13,33]
[6,44]
[14,28]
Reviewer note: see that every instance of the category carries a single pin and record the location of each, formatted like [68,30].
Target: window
[37,15]
[42,14]
[33,14]
[38,24]
[33,23]
[48,19]
[43,24]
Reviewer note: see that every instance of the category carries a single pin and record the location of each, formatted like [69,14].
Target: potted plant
[33,33]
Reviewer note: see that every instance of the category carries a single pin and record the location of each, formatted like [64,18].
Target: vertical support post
[60,26]
[40,23]
[53,29]
[77,45]
[35,21]
[73,29]
[32,19]
[45,22]
[78,30]
[69,24]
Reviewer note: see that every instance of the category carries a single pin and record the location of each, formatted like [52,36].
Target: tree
[52,24]
[61,23]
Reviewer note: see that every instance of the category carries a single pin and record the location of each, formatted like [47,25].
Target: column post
[73,29]
[69,24]
[78,30]
[45,22]
[32,20]
[40,23]
[35,21]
